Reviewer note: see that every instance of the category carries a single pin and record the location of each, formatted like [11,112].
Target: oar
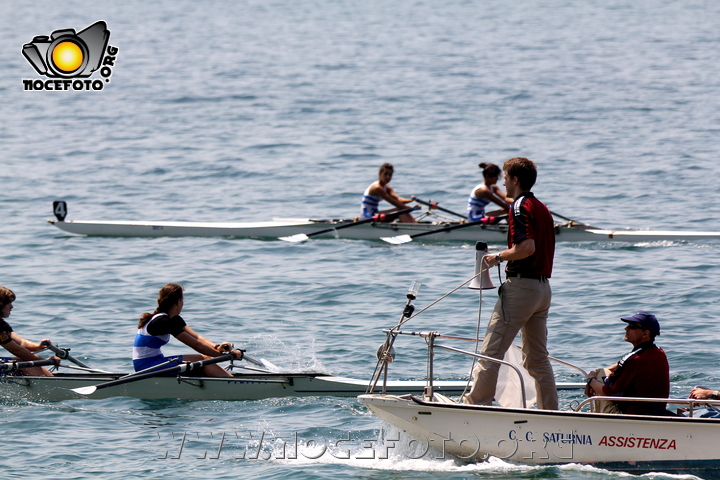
[576,222]
[301,237]
[14,366]
[183,367]
[261,363]
[63,354]
[435,206]
[400,239]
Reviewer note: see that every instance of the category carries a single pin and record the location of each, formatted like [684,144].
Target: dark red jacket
[643,374]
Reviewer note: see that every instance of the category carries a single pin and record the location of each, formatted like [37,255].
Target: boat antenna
[386,352]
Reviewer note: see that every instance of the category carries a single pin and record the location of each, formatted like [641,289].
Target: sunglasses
[635,326]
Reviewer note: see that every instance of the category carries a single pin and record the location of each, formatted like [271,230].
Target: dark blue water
[225,111]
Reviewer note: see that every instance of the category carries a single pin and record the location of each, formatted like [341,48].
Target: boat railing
[429,389]
[430,338]
[691,403]
[474,340]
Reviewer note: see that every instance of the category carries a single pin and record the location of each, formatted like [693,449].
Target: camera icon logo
[67,54]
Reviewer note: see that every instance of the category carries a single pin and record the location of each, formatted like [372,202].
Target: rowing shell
[568,232]
[244,386]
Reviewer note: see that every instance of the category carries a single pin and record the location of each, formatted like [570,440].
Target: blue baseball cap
[646,320]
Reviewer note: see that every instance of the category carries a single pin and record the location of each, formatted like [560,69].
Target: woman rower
[14,343]
[154,330]
[487,192]
[381,190]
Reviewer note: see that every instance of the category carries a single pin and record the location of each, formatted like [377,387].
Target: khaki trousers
[522,307]
[604,406]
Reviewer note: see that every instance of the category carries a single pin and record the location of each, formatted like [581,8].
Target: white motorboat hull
[370,231]
[617,442]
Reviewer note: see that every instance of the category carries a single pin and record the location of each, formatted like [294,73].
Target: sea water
[244,111]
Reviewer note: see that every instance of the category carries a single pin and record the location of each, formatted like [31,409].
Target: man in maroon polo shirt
[525,296]
[644,372]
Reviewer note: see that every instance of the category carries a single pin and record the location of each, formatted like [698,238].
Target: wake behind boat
[430,227]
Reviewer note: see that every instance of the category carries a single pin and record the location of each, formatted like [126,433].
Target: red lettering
[632,442]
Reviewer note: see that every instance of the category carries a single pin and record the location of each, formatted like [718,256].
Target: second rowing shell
[371,231]
[245,386]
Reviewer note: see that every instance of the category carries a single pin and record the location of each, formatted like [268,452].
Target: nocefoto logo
[68,57]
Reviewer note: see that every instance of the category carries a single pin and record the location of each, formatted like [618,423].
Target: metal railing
[692,403]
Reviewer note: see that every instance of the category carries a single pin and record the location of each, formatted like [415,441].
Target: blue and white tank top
[148,346]
[476,206]
[370,203]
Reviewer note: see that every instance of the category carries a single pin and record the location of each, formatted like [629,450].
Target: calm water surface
[225,111]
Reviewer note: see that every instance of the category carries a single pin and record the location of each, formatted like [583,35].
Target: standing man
[525,296]
[644,372]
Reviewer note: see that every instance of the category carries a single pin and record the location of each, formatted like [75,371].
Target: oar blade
[398,240]
[85,390]
[255,362]
[300,237]
[269,365]
[262,363]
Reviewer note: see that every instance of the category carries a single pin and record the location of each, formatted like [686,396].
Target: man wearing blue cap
[644,372]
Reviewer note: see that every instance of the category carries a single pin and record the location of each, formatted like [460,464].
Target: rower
[15,344]
[155,329]
[381,190]
[487,192]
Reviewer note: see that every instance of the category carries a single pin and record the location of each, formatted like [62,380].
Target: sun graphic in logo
[67,56]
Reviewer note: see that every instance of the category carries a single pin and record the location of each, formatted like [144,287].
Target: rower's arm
[197,342]
[31,346]
[391,197]
[17,348]
[499,198]
[495,195]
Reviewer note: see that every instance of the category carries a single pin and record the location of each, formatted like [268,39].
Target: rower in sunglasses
[644,372]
